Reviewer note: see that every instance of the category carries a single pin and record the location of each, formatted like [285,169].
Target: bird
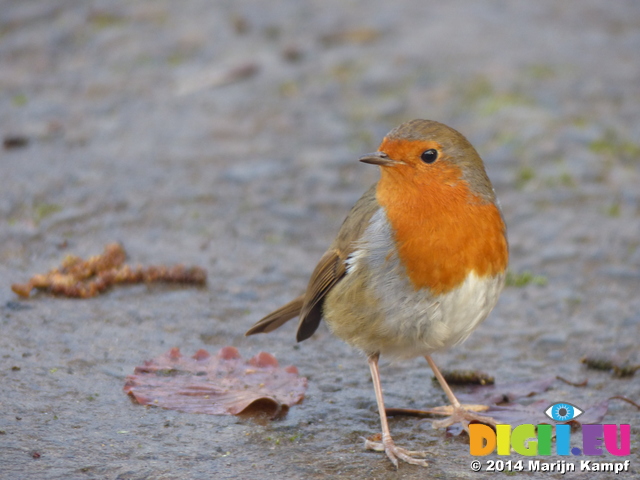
[418,263]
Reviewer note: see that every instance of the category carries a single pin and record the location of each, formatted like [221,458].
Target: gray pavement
[226,135]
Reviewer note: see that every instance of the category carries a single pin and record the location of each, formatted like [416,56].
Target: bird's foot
[464,417]
[394,453]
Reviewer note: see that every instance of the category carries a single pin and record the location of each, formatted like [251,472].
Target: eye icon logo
[530,440]
[563,412]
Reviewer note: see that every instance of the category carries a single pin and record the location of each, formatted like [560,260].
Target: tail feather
[278,317]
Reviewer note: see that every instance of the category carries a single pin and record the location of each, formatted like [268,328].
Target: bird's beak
[378,158]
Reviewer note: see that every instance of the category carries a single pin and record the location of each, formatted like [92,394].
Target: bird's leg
[387,446]
[460,414]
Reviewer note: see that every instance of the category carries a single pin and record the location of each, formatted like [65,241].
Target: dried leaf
[593,414]
[516,414]
[222,384]
[533,414]
[496,394]
[486,399]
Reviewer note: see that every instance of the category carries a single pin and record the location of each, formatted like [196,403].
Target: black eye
[429,156]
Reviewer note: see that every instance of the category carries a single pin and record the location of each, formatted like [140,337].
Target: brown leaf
[593,414]
[496,394]
[516,414]
[499,405]
[222,384]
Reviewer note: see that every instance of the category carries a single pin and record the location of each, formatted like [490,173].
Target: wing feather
[278,317]
[330,269]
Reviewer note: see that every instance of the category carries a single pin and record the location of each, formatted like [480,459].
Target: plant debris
[583,383]
[499,403]
[442,410]
[617,368]
[466,377]
[78,278]
[218,77]
[222,384]
[358,36]
[14,141]
[483,398]
[509,393]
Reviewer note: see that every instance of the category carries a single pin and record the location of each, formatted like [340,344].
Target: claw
[464,417]
[394,453]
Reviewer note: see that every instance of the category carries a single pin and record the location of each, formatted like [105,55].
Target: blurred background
[225,134]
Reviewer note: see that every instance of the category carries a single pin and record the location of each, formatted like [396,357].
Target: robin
[417,265]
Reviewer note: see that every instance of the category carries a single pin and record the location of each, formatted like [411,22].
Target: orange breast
[442,231]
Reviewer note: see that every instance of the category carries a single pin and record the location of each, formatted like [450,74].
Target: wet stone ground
[226,135]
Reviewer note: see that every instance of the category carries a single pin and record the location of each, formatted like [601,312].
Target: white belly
[427,324]
[405,322]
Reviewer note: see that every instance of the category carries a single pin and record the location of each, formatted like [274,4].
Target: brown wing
[332,265]
[330,269]
[278,317]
